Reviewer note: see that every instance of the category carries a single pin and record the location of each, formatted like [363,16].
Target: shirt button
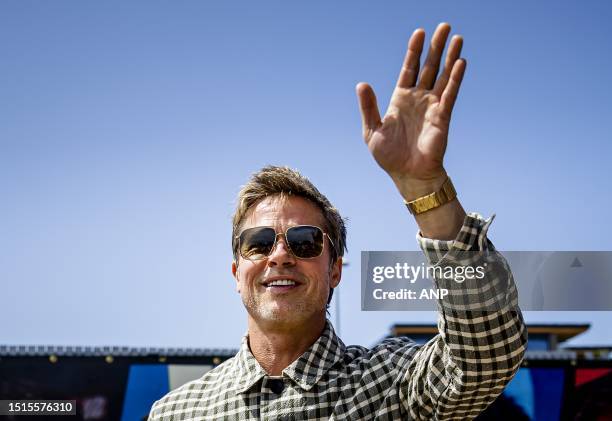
[276,385]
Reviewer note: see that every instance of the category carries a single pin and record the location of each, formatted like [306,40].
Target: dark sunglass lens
[305,241]
[256,243]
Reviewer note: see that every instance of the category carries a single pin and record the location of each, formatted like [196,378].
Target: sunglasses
[304,241]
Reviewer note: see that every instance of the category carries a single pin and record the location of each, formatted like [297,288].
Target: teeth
[281,282]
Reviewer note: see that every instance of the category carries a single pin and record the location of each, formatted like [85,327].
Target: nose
[281,255]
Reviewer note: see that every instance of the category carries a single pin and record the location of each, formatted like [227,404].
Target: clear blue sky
[127,128]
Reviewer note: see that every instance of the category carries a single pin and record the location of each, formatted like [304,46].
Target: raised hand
[410,141]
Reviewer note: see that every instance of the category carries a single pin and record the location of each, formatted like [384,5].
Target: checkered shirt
[454,376]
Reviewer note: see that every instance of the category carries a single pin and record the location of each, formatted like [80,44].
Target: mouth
[280,285]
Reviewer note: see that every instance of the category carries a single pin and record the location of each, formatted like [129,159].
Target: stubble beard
[290,313]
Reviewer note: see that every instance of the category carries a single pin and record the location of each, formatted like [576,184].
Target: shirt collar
[306,371]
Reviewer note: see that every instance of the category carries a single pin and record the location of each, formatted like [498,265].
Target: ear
[235,275]
[336,272]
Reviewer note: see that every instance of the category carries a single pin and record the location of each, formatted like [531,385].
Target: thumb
[370,116]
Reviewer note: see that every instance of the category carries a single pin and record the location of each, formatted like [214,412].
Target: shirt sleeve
[482,337]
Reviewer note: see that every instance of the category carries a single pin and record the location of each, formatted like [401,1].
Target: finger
[454,51]
[452,88]
[370,117]
[410,67]
[432,63]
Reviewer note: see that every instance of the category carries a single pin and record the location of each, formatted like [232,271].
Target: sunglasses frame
[286,242]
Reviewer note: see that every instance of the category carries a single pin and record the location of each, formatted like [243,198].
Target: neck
[276,346]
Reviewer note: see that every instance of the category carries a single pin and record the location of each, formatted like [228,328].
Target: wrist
[413,188]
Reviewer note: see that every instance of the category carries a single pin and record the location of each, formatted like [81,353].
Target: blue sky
[126,130]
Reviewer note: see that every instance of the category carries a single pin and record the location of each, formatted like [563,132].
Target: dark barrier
[122,384]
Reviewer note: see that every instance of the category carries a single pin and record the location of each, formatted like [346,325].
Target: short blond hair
[284,181]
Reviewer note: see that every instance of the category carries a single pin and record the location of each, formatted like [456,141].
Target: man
[288,243]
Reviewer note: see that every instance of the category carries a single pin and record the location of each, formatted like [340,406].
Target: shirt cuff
[472,237]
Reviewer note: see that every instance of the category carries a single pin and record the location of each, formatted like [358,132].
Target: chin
[282,315]
[296,314]
[279,314]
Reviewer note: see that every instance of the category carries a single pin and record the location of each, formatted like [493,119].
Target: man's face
[286,306]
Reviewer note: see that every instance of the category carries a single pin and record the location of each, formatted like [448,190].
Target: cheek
[321,275]
[247,275]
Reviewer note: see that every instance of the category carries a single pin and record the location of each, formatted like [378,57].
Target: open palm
[410,141]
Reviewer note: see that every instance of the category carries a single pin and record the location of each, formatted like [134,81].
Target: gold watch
[425,203]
